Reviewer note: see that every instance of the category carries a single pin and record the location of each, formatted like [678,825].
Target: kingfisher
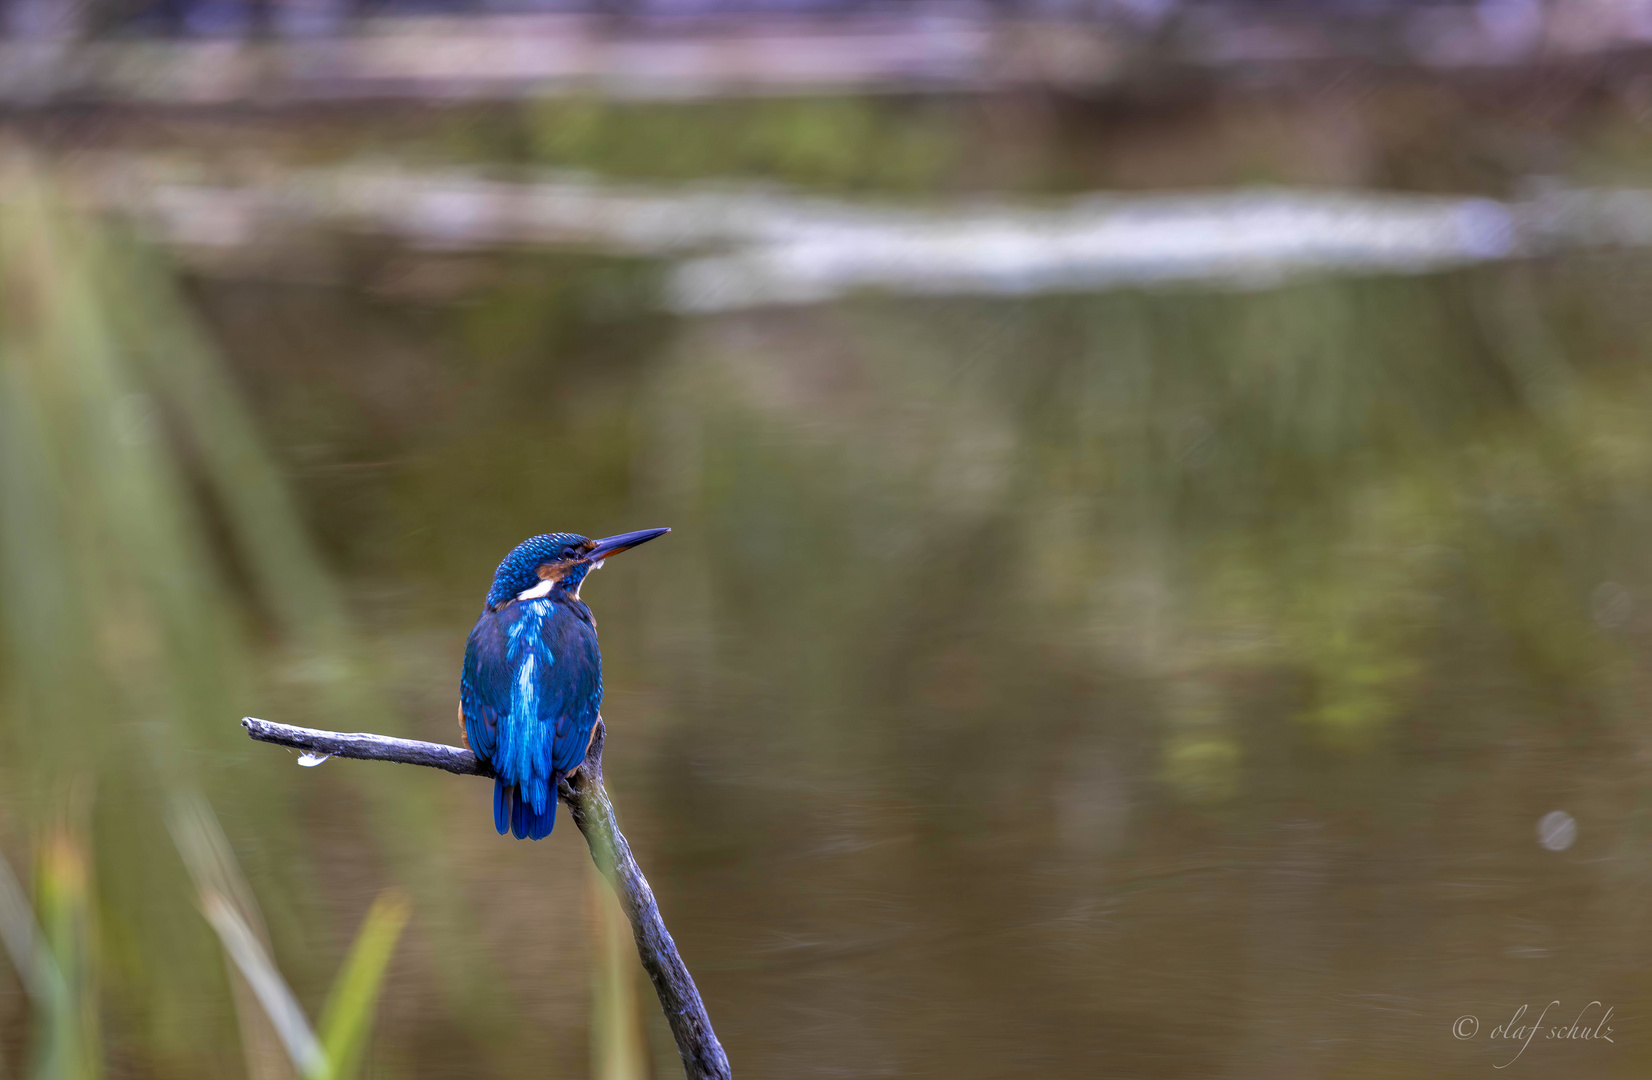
[531,689]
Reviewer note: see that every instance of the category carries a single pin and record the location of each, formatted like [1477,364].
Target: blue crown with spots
[520,569]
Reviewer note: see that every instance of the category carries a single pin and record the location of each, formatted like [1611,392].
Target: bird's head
[557,561]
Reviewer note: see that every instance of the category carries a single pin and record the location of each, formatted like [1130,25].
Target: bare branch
[593,814]
[360,744]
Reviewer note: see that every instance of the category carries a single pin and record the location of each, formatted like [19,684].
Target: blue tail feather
[501,807]
[515,814]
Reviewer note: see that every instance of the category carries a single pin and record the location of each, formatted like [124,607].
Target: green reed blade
[347,1020]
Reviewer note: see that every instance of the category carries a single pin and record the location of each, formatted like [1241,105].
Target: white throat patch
[542,589]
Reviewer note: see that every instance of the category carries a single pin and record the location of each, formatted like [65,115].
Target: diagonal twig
[593,814]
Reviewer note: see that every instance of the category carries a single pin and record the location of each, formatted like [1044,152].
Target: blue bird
[532,684]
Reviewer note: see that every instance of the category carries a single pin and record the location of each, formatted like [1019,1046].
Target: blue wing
[484,686]
[531,691]
[575,698]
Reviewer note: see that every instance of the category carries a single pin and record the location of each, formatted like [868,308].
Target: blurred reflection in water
[1150,685]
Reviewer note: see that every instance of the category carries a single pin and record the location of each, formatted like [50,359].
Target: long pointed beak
[613,545]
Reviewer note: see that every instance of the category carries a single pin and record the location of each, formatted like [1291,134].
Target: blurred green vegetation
[1405,133]
[56,952]
[841,144]
[147,544]
[69,1040]
[227,902]
[120,651]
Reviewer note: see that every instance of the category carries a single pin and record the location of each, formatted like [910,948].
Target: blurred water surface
[1125,685]
[1133,684]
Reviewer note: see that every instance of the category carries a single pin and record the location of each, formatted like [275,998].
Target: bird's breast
[525,627]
